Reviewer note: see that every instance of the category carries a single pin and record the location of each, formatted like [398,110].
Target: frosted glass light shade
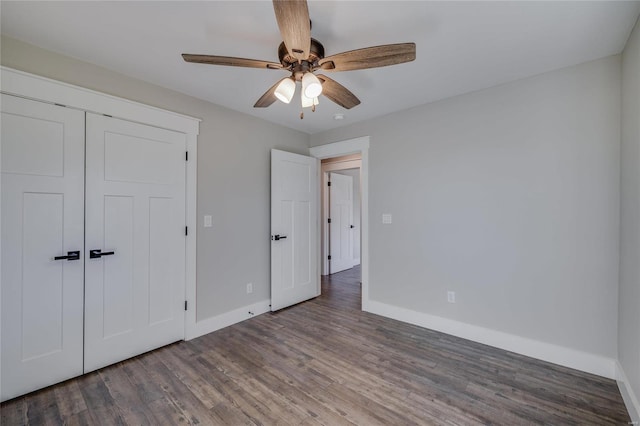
[308,102]
[311,86]
[285,90]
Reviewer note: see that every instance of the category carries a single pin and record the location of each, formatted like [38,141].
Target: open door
[294,211]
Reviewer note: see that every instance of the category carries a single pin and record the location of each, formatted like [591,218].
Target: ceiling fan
[303,56]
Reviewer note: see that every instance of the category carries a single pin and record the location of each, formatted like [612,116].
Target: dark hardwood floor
[325,362]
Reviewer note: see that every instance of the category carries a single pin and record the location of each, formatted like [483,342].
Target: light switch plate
[386,218]
[208,221]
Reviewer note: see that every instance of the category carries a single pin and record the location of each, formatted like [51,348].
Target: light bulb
[285,90]
[311,86]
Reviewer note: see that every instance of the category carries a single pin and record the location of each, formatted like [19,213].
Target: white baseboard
[629,397]
[567,357]
[212,324]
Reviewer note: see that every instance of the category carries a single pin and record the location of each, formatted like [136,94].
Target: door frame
[337,149]
[38,88]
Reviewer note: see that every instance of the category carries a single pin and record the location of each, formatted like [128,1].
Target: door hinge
[328,183]
[186,230]
[186,156]
[329,257]
[329,220]
[185,305]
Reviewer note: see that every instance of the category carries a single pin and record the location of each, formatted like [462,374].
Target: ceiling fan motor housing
[316,52]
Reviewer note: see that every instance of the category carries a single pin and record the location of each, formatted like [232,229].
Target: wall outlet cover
[451,296]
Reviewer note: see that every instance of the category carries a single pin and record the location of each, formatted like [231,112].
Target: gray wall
[629,306]
[508,196]
[233,175]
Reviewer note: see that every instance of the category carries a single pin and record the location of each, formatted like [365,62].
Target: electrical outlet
[208,220]
[451,296]
[387,218]
[249,288]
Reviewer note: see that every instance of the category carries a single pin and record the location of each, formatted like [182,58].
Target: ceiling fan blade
[295,26]
[229,61]
[269,96]
[337,93]
[370,57]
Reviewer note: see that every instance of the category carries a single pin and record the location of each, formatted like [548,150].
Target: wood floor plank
[42,409]
[100,405]
[325,362]
[180,361]
[14,412]
[69,399]
[82,418]
[126,398]
[177,394]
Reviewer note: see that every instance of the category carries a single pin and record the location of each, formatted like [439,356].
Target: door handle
[98,253]
[279,237]
[71,255]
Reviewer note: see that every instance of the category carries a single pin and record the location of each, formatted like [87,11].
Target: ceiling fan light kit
[308,102]
[302,56]
[285,90]
[311,86]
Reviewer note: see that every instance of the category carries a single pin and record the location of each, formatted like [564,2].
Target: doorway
[359,146]
[341,222]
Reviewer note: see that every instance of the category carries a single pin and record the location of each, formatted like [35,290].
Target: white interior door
[135,215]
[42,218]
[294,212]
[340,228]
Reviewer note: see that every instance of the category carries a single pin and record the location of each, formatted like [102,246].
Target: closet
[93,240]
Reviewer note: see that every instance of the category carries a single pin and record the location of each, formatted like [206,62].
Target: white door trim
[43,89]
[352,146]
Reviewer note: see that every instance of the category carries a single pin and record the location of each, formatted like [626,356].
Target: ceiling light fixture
[311,86]
[309,102]
[285,90]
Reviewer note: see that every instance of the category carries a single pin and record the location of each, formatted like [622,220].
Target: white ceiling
[461,46]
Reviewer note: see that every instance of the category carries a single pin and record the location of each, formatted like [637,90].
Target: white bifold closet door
[93,263]
[42,218]
[135,209]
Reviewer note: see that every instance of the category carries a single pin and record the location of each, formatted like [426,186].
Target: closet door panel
[118,277]
[42,217]
[135,208]
[161,273]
